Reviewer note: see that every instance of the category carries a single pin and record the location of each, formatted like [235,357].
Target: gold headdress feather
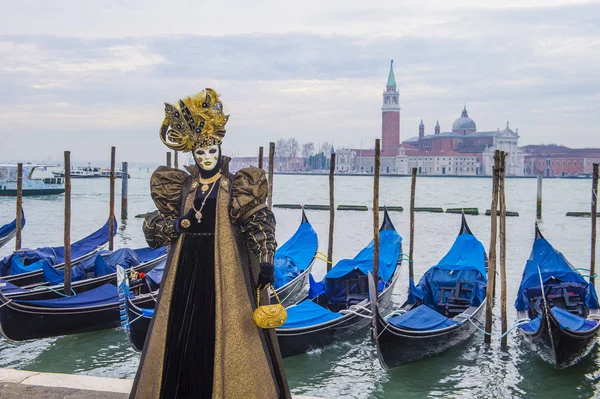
[195,121]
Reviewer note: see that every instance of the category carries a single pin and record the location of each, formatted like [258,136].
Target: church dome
[464,122]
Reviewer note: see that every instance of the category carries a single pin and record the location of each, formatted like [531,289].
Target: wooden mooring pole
[111,211]
[331,211]
[594,217]
[260,157]
[19,206]
[176,159]
[124,188]
[67,229]
[502,198]
[539,196]
[271,166]
[376,168]
[492,254]
[169,159]
[413,186]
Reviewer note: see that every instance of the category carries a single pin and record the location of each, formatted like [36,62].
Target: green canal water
[349,369]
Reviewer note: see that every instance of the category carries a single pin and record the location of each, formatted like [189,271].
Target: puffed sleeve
[250,214]
[166,185]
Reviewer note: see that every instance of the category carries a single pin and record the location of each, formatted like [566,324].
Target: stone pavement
[19,384]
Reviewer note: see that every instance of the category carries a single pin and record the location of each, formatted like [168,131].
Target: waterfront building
[559,161]
[463,151]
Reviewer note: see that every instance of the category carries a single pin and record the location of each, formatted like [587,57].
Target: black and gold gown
[202,341]
[191,337]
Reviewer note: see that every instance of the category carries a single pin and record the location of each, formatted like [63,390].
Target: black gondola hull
[20,322]
[138,325]
[396,347]
[6,238]
[558,347]
[295,341]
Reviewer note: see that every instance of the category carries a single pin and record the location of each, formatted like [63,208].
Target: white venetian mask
[207,157]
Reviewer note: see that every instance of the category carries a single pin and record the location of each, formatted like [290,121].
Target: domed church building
[466,140]
[463,151]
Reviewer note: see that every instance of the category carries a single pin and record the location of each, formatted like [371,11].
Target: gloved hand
[265,275]
[183,223]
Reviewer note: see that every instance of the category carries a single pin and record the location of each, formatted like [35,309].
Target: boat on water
[440,311]
[82,172]
[31,186]
[559,307]
[293,264]
[25,266]
[338,306]
[92,310]
[88,274]
[8,231]
[118,173]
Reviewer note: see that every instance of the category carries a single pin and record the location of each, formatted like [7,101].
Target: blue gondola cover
[55,255]
[9,228]
[295,255]
[552,265]
[104,263]
[334,282]
[571,322]
[464,263]
[17,267]
[308,313]
[154,276]
[103,295]
[532,326]
[422,318]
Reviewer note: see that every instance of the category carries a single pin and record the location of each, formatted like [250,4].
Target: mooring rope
[468,317]
[406,258]
[516,324]
[6,303]
[136,319]
[323,258]
[53,290]
[587,270]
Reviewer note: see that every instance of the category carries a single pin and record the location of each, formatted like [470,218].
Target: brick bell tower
[390,116]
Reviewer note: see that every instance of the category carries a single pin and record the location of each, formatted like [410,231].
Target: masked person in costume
[203,342]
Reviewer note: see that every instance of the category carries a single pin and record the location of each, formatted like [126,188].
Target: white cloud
[93,75]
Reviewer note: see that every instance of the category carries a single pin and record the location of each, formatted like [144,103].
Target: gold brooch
[185,223]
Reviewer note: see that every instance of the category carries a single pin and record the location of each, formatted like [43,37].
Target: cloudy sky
[85,75]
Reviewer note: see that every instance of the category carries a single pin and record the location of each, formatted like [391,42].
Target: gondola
[337,307]
[7,232]
[92,310]
[293,263]
[25,267]
[440,311]
[561,306]
[88,274]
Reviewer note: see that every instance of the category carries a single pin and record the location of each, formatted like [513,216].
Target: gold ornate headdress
[195,121]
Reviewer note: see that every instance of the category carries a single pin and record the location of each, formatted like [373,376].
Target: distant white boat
[31,186]
[86,172]
[118,173]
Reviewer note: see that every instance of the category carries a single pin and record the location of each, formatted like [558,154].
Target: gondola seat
[357,290]
[307,313]
[421,318]
[566,295]
[455,300]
